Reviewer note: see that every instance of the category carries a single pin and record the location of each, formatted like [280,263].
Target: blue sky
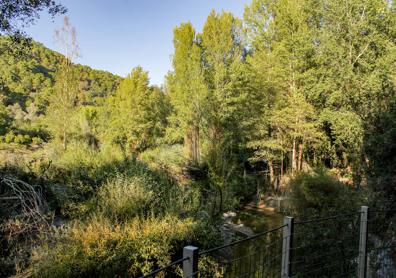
[117,35]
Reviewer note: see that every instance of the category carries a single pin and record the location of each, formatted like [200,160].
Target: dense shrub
[125,197]
[20,139]
[165,156]
[318,193]
[128,218]
[100,248]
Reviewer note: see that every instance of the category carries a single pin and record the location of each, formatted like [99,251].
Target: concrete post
[286,246]
[362,267]
[190,265]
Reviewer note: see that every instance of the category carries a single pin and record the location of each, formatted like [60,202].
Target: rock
[229,214]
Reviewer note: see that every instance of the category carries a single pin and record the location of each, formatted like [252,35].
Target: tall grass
[100,248]
[125,197]
[118,216]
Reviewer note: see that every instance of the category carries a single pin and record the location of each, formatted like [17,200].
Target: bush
[37,140]
[165,156]
[9,137]
[318,193]
[125,197]
[131,218]
[144,192]
[101,249]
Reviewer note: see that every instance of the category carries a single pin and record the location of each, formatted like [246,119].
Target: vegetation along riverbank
[291,105]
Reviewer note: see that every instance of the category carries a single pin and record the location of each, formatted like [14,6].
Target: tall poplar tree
[223,57]
[63,101]
[187,91]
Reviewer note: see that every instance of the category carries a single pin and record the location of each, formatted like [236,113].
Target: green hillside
[26,83]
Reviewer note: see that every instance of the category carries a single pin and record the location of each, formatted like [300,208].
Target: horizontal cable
[326,218]
[240,241]
[164,268]
[382,210]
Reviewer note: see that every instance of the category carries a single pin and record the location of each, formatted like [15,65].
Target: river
[258,220]
[260,255]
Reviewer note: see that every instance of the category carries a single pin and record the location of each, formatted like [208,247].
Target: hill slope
[27,82]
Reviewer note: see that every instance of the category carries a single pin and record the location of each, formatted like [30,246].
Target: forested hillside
[109,176]
[27,83]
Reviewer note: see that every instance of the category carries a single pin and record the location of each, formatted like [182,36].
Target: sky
[117,35]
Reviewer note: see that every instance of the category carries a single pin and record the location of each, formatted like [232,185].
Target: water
[258,257]
[258,220]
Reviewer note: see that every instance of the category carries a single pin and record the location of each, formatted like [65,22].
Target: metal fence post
[286,246]
[362,267]
[190,265]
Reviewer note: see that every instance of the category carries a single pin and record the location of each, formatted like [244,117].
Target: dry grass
[24,208]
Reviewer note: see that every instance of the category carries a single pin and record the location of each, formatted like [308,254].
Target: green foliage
[142,170]
[335,67]
[320,194]
[34,85]
[187,92]
[102,248]
[25,12]
[3,118]
[62,104]
[380,149]
[164,157]
[137,113]
[125,198]
[140,192]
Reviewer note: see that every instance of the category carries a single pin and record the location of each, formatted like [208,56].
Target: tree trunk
[271,172]
[294,157]
[281,169]
[195,145]
[191,145]
[221,200]
[187,145]
[300,156]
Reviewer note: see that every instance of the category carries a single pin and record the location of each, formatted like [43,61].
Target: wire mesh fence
[327,247]
[257,256]
[359,245]
[381,245]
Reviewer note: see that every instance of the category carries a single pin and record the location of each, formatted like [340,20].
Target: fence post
[190,265]
[286,246]
[362,266]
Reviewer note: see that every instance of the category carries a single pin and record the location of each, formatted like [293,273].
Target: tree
[137,113]
[187,91]
[16,13]
[223,63]
[297,121]
[269,145]
[305,53]
[64,100]
[281,36]
[27,86]
[3,119]
[355,58]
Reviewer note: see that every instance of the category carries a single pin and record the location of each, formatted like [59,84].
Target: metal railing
[326,247]
[361,244]
[255,256]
